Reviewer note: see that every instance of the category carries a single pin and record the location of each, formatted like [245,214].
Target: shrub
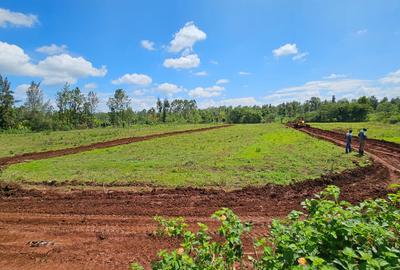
[331,234]
[336,235]
[394,119]
[198,251]
[173,227]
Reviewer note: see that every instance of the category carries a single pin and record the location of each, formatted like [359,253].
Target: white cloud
[201,92]
[56,69]
[335,76]
[187,61]
[20,92]
[186,37]
[244,73]
[214,62]
[64,68]
[13,60]
[338,86]
[10,18]
[393,77]
[148,45]
[169,88]
[207,92]
[139,92]
[222,81]
[362,32]
[90,86]
[134,78]
[300,56]
[145,102]
[52,49]
[244,101]
[201,73]
[286,49]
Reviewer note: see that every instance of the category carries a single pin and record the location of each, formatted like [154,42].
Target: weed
[173,227]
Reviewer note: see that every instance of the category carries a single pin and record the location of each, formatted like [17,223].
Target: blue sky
[218,52]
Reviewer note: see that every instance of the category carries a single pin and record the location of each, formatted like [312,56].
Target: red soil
[108,229]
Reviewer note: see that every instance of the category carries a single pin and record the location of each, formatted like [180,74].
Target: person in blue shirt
[349,137]
[362,136]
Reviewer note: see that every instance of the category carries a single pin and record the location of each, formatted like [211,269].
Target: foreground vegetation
[26,142]
[380,131]
[331,234]
[235,156]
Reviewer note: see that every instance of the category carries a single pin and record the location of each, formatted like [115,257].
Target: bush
[331,234]
[336,235]
[394,119]
[198,251]
[174,227]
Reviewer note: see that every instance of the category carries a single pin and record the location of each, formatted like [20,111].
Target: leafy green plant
[173,227]
[334,234]
[200,251]
[330,234]
[136,266]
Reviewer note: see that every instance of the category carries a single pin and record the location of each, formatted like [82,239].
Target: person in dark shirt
[349,137]
[362,136]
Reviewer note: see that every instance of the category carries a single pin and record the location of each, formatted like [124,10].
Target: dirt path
[108,229]
[386,153]
[68,151]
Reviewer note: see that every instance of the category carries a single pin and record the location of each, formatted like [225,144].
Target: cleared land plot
[14,144]
[380,131]
[236,156]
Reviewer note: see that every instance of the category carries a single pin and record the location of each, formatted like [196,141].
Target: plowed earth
[107,229]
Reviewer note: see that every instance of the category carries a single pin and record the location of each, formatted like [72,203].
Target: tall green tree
[7,113]
[63,101]
[34,98]
[159,106]
[89,108]
[71,107]
[165,110]
[37,112]
[118,104]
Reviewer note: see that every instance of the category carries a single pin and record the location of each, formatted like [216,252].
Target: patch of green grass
[380,131]
[236,156]
[13,144]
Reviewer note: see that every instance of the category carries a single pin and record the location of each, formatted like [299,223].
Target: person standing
[349,137]
[362,136]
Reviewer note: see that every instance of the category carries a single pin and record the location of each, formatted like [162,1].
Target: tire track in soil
[74,150]
[386,153]
[92,229]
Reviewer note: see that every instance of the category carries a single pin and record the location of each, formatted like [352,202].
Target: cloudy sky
[219,52]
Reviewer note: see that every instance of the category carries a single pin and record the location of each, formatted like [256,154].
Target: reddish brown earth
[387,153]
[107,229]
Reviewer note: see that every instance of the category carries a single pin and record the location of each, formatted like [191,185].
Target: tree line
[74,109]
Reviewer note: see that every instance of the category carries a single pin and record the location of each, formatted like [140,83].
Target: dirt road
[387,153]
[107,229]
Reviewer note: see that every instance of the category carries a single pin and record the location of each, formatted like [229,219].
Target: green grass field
[235,156]
[13,144]
[387,132]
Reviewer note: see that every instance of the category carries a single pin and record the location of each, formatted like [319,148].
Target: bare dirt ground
[387,153]
[107,229]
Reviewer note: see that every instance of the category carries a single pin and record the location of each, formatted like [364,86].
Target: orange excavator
[300,123]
